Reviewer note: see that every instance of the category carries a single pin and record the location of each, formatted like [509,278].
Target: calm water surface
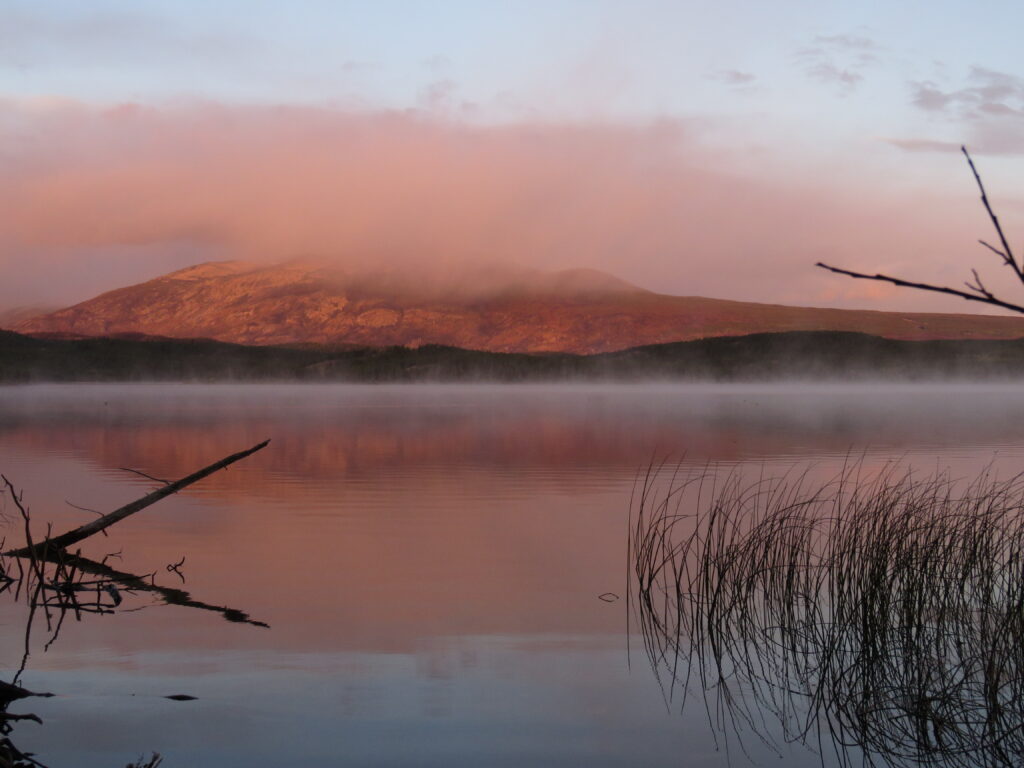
[428,558]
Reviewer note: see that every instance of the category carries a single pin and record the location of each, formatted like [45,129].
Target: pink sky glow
[654,202]
[691,148]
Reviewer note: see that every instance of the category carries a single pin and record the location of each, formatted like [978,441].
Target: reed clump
[877,617]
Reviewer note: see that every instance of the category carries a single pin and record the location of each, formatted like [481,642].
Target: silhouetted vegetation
[975,287]
[767,356]
[874,619]
[55,584]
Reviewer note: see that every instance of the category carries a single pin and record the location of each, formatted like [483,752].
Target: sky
[693,148]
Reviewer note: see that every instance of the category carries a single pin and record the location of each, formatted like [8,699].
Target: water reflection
[336,434]
[878,618]
[430,560]
[56,586]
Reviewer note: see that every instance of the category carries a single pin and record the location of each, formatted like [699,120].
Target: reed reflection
[879,619]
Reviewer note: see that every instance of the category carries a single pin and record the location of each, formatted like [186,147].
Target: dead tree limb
[976,291]
[93,527]
[30,548]
[985,298]
[1007,254]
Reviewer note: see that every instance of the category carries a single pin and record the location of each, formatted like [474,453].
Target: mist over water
[429,558]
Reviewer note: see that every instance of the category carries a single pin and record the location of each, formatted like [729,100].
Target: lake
[438,565]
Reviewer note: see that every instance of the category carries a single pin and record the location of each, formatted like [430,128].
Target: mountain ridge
[491,309]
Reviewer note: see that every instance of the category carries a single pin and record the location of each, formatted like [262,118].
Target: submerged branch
[54,586]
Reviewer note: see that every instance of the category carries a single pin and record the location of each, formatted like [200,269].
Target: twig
[31,549]
[1006,253]
[84,509]
[143,474]
[174,568]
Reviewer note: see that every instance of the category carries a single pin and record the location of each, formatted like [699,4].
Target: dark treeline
[767,356]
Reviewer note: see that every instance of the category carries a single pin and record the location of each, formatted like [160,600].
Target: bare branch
[925,287]
[83,509]
[976,290]
[979,287]
[174,568]
[997,252]
[1007,252]
[32,550]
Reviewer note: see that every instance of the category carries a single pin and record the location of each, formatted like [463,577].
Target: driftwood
[67,581]
[56,592]
[54,544]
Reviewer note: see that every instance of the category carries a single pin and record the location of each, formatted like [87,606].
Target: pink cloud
[407,190]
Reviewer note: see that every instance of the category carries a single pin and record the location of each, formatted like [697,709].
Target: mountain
[499,310]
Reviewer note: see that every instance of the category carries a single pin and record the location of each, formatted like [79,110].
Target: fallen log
[62,542]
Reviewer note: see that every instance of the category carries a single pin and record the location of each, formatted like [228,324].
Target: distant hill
[498,310]
[9,318]
[798,355]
